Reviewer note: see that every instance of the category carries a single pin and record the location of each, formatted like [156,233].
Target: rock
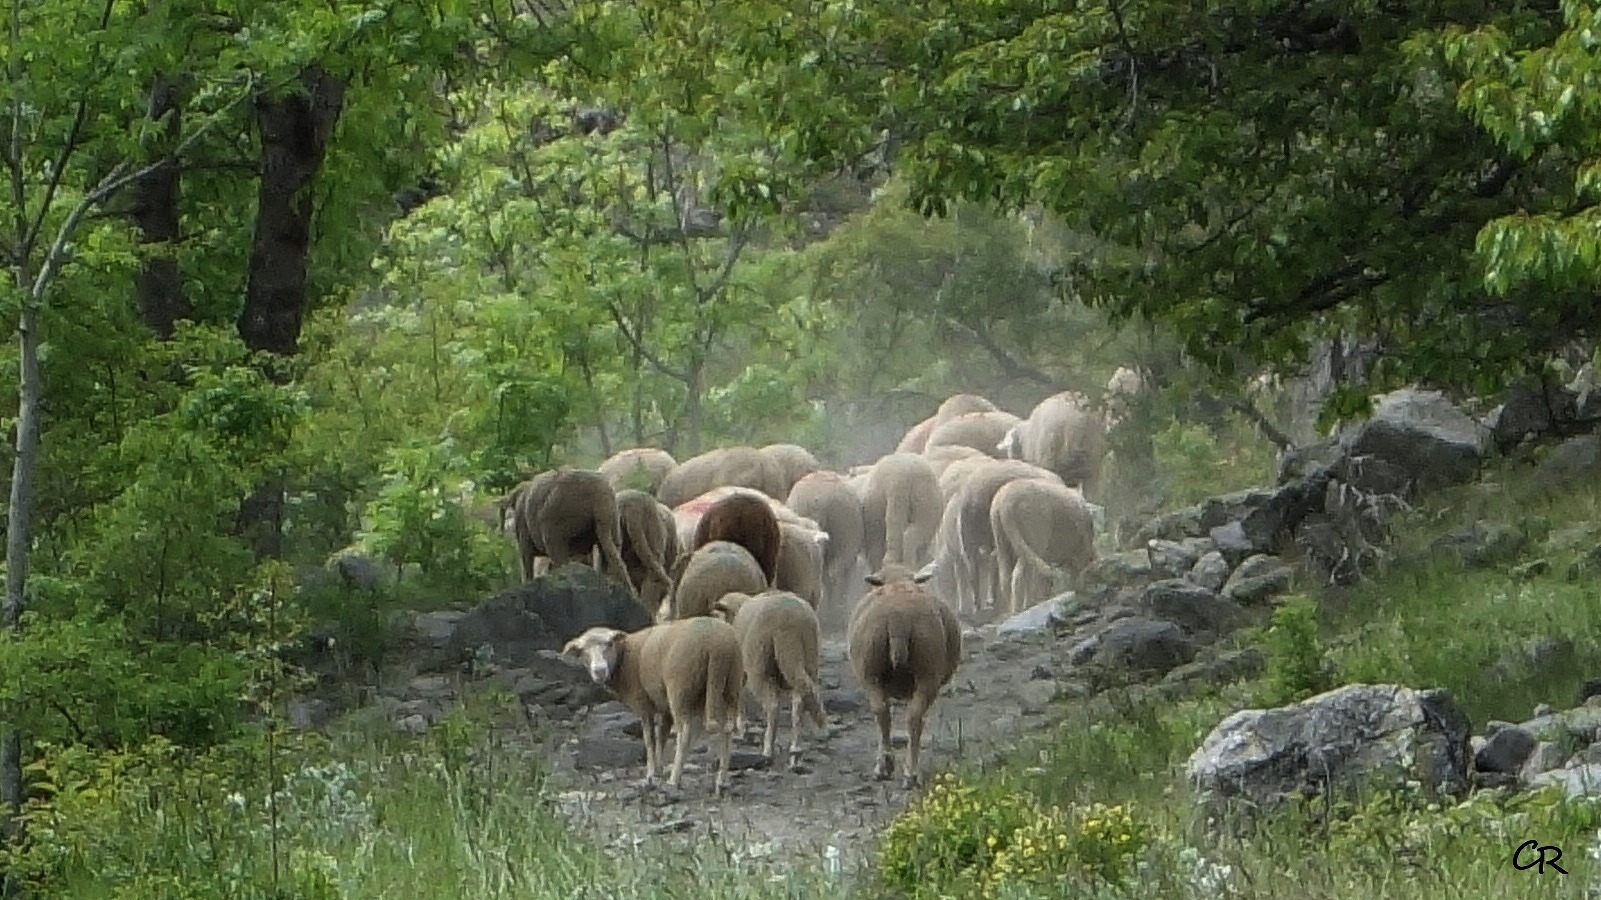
[1270,522]
[1119,570]
[607,753]
[431,687]
[1505,750]
[413,724]
[1041,616]
[1299,462]
[308,713]
[1545,756]
[1422,434]
[1222,669]
[1258,579]
[435,628]
[1574,781]
[1036,696]
[1335,741]
[544,614]
[1480,545]
[1581,725]
[1576,457]
[1373,475]
[843,702]
[1211,571]
[1530,411]
[1191,607]
[1172,559]
[1589,689]
[1143,645]
[359,571]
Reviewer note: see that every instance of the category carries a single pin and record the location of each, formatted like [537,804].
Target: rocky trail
[1003,689]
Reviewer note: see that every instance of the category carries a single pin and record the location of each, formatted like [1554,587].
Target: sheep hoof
[794,762]
[882,773]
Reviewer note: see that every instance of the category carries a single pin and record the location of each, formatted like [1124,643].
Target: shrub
[984,839]
[1297,665]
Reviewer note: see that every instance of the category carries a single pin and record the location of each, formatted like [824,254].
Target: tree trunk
[295,131]
[158,287]
[18,542]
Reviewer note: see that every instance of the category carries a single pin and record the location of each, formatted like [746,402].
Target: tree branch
[639,346]
[1011,366]
[120,176]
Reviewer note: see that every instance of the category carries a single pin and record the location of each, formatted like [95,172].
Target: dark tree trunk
[295,131]
[158,287]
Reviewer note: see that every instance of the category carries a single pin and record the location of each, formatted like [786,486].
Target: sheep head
[600,650]
[893,572]
[1011,444]
[728,606]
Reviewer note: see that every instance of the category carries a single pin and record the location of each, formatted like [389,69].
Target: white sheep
[778,639]
[685,674]
[904,644]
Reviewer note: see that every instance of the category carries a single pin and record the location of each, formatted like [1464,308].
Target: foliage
[420,518]
[1297,663]
[992,838]
[1194,461]
[1254,177]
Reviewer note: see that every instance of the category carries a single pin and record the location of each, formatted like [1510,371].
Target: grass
[467,812]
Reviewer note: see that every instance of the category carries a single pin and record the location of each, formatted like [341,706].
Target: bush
[1297,664]
[983,840]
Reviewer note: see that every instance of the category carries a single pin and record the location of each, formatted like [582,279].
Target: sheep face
[599,650]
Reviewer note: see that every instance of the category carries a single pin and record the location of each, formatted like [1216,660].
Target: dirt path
[1003,688]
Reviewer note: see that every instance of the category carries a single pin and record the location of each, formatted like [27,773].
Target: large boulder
[1424,435]
[544,614]
[1335,741]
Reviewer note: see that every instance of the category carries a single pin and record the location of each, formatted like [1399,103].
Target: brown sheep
[705,575]
[1038,525]
[1065,435]
[778,639]
[801,552]
[685,675]
[982,431]
[966,562]
[903,644]
[564,514]
[642,469]
[900,512]
[726,467]
[828,499]
[795,461]
[649,545]
[746,520]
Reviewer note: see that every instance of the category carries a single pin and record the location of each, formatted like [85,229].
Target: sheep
[1038,525]
[1065,434]
[687,516]
[725,467]
[564,514]
[800,562]
[903,644]
[746,520]
[916,437]
[965,544]
[708,573]
[778,638]
[795,461]
[900,511]
[827,499]
[685,675]
[650,544]
[981,431]
[943,457]
[642,468]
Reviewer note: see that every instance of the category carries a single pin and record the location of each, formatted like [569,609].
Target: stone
[1333,742]
[1505,750]
[1143,645]
[1191,607]
[1423,434]
[1211,571]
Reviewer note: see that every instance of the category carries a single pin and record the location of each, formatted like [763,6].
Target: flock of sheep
[737,553]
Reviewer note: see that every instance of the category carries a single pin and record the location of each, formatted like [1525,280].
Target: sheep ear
[874,580]
[617,638]
[571,651]
[925,573]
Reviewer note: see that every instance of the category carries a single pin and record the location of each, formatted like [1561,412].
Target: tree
[1256,176]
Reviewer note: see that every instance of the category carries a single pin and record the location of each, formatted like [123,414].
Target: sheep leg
[770,733]
[794,729]
[886,762]
[687,728]
[725,750]
[648,731]
[915,711]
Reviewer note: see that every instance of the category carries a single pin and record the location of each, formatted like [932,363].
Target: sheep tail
[792,665]
[900,643]
[722,681]
[640,541]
